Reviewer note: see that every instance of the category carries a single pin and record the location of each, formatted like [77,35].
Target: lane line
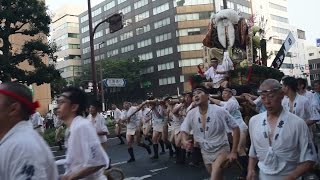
[160,169]
[138,178]
[119,163]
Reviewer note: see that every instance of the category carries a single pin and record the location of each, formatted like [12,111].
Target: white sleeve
[252,150]
[307,148]
[92,153]
[208,73]
[257,101]
[186,126]
[230,121]
[103,126]
[229,105]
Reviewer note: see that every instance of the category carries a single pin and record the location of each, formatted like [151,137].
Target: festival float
[236,43]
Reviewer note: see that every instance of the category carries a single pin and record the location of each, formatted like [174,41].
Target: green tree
[30,20]
[57,85]
[117,68]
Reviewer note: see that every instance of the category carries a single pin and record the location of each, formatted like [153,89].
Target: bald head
[270,84]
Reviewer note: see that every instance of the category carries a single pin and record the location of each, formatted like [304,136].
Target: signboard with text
[114,82]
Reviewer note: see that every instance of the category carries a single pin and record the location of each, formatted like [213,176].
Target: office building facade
[65,32]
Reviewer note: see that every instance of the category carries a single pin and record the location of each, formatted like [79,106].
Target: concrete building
[314,63]
[167,33]
[65,32]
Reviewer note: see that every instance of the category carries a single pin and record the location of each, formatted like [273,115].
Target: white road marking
[160,169]
[118,163]
[138,178]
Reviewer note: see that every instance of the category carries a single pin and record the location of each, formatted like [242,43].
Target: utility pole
[225,6]
[101,79]
[93,63]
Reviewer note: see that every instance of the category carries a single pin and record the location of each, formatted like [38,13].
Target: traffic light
[115,22]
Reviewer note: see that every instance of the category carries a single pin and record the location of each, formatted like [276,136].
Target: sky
[302,14]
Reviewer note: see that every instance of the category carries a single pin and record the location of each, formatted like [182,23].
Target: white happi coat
[308,95]
[301,107]
[291,145]
[233,107]
[214,136]
[25,155]
[134,120]
[145,116]
[117,115]
[100,124]
[212,73]
[84,149]
[158,121]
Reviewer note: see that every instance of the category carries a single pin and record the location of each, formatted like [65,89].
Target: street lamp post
[93,65]
[101,79]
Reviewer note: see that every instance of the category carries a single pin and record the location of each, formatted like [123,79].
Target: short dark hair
[202,88]
[96,104]
[303,82]
[291,82]
[22,91]
[77,96]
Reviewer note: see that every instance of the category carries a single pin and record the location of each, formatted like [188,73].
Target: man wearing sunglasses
[85,157]
[23,153]
[280,141]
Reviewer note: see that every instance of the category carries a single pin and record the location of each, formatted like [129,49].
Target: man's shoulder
[256,118]
[80,122]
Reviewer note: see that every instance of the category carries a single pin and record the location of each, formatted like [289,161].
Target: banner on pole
[288,43]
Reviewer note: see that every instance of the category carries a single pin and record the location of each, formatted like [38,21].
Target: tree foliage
[26,19]
[117,68]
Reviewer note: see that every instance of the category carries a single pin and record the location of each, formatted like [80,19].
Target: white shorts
[131,132]
[158,128]
[209,158]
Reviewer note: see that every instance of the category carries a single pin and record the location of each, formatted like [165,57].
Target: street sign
[114,82]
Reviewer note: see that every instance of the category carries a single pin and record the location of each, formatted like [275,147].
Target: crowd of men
[210,129]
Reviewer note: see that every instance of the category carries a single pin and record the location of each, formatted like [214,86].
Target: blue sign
[114,82]
[318,42]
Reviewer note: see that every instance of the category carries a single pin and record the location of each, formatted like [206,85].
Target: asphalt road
[145,168]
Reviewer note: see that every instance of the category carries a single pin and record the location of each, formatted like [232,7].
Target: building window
[192,16]
[188,32]
[109,6]
[112,41]
[190,62]
[311,54]
[85,29]
[280,30]
[181,78]
[279,18]
[85,39]
[143,29]
[190,47]
[121,1]
[166,66]
[144,43]
[125,10]
[162,23]
[147,70]
[126,35]
[278,41]
[278,7]
[161,8]
[146,56]
[164,52]
[163,37]
[127,48]
[166,81]
[142,16]
[192,2]
[140,3]
[96,12]
[243,9]
[286,66]
[96,23]
[84,18]
[98,46]
[86,50]
[70,46]
[112,53]
[127,22]
[98,34]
